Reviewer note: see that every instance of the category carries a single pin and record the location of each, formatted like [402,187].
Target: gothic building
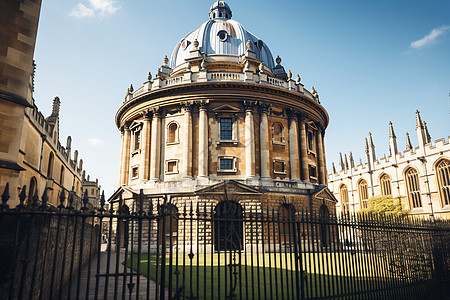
[420,176]
[222,114]
[31,155]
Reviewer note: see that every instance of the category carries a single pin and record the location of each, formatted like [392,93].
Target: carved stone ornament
[278,60]
[149,76]
[249,45]
[187,106]
[297,80]
[147,114]
[261,68]
[289,75]
[203,104]
[195,44]
[157,112]
[165,60]
[249,105]
[263,107]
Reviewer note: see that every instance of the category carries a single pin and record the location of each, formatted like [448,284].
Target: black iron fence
[153,248]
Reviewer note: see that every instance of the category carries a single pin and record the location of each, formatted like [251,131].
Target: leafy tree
[385,205]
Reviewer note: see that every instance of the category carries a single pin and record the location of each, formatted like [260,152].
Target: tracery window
[385,183]
[277,133]
[443,178]
[343,193]
[61,176]
[32,190]
[413,186]
[363,193]
[50,165]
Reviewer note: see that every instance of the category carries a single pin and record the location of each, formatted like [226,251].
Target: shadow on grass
[228,279]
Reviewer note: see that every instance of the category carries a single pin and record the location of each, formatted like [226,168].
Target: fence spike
[102,202]
[85,200]
[62,199]
[22,197]
[70,199]
[44,199]
[34,204]
[141,202]
[5,197]
[150,207]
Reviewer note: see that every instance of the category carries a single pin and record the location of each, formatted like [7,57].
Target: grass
[267,276]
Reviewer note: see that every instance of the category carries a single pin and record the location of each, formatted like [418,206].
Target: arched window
[443,179]
[50,165]
[363,194]
[168,224]
[385,183]
[32,190]
[413,187]
[287,216]
[343,193]
[61,176]
[172,133]
[277,133]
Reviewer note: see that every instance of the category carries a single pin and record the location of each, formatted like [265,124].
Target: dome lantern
[220,10]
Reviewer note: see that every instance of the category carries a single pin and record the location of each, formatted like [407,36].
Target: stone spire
[346,162]
[427,134]
[341,162]
[408,142]
[334,168]
[392,140]
[371,148]
[421,137]
[352,162]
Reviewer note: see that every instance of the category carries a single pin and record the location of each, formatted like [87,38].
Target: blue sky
[370,61]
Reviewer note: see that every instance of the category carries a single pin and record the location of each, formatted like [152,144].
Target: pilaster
[145,146]
[250,169]
[264,140]
[187,144]
[155,155]
[293,146]
[303,150]
[203,139]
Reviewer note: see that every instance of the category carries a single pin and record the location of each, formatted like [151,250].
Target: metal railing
[157,248]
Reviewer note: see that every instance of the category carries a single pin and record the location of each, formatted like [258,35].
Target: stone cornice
[231,90]
[14,98]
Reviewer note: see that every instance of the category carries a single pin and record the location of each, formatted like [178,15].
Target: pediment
[226,108]
[325,194]
[231,187]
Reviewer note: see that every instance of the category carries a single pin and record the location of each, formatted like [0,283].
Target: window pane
[226,164]
[226,130]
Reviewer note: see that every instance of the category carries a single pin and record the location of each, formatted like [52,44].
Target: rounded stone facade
[223,111]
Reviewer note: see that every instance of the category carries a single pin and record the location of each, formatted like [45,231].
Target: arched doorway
[228,226]
[324,215]
[287,227]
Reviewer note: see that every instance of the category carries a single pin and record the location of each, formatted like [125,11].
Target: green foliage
[385,205]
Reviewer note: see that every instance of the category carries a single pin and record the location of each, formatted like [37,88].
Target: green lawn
[266,276]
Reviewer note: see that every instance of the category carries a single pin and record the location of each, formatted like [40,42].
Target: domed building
[221,115]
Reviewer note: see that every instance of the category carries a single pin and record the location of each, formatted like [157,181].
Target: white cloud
[105,7]
[95,142]
[430,38]
[97,8]
[80,11]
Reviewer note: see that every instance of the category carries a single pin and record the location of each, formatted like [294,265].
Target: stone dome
[221,36]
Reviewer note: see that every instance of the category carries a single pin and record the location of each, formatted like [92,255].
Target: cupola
[220,10]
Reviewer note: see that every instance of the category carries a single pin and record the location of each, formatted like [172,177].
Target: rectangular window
[226,129]
[279,167]
[172,167]
[311,144]
[134,172]
[312,174]
[137,140]
[227,164]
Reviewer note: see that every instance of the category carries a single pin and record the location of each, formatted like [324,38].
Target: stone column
[126,155]
[145,147]
[249,140]
[304,150]
[155,154]
[264,141]
[293,146]
[203,140]
[324,158]
[187,141]
[122,144]
[321,173]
